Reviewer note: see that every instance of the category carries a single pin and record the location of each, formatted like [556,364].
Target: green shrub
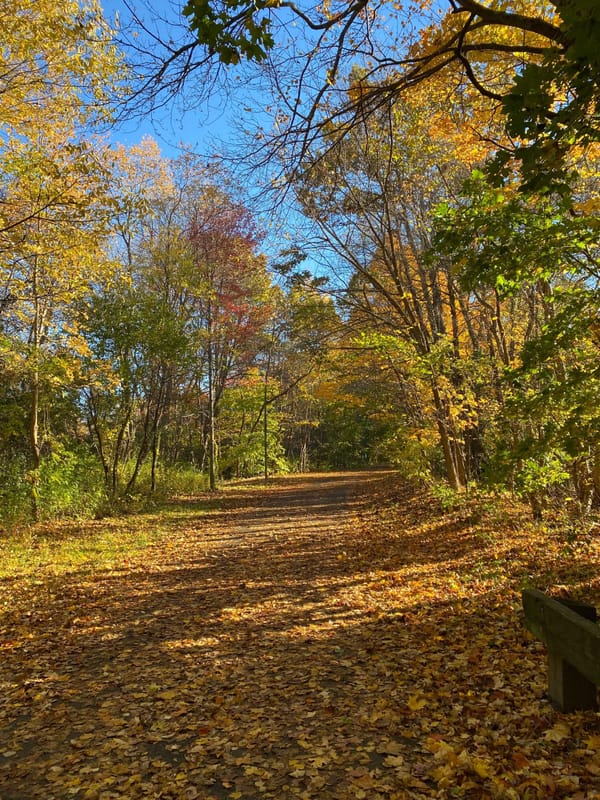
[71,484]
[15,493]
[171,481]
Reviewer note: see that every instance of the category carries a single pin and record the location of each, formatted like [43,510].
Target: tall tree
[60,75]
[231,297]
[372,197]
[59,72]
[298,345]
[510,245]
[184,321]
[49,261]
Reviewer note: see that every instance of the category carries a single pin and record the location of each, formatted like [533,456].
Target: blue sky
[209,129]
[204,129]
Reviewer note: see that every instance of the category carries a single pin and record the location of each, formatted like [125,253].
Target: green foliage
[533,469]
[245,458]
[539,475]
[13,418]
[172,480]
[351,435]
[534,252]
[70,483]
[137,344]
[555,104]
[15,492]
[241,426]
[231,29]
[407,449]
[498,238]
[447,497]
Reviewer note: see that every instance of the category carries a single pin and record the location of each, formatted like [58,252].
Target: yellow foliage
[59,70]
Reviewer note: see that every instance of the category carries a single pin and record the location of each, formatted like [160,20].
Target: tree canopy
[534,59]
[444,162]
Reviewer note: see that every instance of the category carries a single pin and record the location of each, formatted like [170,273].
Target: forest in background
[148,346]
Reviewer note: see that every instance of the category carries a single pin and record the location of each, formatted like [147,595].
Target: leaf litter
[325,637]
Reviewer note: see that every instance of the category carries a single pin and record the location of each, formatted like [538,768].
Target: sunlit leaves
[58,61]
[554,105]
[59,71]
[304,638]
[182,322]
[525,246]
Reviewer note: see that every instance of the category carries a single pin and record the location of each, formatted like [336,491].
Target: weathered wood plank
[573,642]
[582,609]
[568,633]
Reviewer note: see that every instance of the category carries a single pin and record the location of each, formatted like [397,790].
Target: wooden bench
[569,631]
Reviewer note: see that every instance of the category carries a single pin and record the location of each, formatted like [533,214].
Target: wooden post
[568,688]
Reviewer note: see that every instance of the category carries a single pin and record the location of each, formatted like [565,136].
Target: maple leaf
[416,702]
[558,732]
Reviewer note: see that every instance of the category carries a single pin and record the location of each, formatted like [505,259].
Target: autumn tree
[371,198]
[251,441]
[231,297]
[60,71]
[510,245]
[305,328]
[139,348]
[136,324]
[525,56]
[183,323]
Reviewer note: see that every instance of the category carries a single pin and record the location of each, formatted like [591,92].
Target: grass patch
[63,548]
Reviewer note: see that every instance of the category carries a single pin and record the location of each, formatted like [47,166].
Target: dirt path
[291,643]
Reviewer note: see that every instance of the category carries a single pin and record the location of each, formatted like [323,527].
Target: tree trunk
[303,458]
[266,436]
[34,411]
[266,419]
[453,457]
[212,471]
[35,444]
[155,449]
